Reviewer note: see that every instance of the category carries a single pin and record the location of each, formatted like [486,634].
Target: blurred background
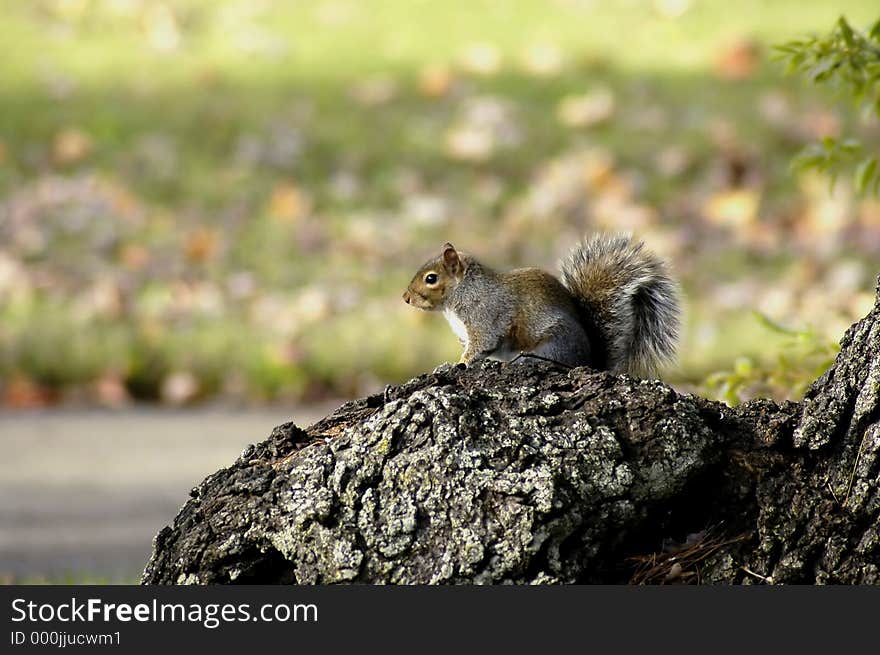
[209,211]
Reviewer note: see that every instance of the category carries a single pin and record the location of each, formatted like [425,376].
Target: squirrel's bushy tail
[629,298]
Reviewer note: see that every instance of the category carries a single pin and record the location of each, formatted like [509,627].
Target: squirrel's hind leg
[564,343]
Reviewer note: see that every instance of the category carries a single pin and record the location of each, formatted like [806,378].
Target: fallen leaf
[672,8]
[543,60]
[481,59]
[738,60]
[470,143]
[241,285]
[374,91]
[289,203]
[734,208]
[71,9]
[819,124]
[70,146]
[335,14]
[869,214]
[586,109]
[20,392]
[435,81]
[179,388]
[426,209]
[161,27]
[775,108]
[672,161]
[134,256]
[110,391]
[201,245]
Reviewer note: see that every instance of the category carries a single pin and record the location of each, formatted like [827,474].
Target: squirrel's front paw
[445,367]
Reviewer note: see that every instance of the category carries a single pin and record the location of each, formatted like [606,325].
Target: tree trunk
[530,473]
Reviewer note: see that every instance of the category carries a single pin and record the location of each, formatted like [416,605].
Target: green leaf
[790,47]
[791,67]
[773,326]
[743,367]
[812,156]
[865,173]
[846,31]
[821,70]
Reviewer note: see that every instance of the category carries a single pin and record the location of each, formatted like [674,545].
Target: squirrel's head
[435,280]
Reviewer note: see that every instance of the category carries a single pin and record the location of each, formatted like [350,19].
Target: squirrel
[615,308]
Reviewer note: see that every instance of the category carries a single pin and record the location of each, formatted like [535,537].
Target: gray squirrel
[616,308]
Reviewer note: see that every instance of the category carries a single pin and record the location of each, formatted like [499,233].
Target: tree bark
[531,473]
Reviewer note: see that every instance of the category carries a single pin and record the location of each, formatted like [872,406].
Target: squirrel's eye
[431,278]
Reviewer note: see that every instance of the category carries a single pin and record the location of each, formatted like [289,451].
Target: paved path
[83,492]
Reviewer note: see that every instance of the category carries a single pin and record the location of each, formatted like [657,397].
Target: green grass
[189,147]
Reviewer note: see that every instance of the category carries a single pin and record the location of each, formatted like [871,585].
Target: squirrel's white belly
[457,326]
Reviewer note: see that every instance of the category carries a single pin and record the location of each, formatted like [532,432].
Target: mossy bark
[530,473]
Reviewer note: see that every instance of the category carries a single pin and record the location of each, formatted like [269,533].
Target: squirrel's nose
[406,297]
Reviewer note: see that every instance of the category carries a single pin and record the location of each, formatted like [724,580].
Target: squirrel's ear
[450,258]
